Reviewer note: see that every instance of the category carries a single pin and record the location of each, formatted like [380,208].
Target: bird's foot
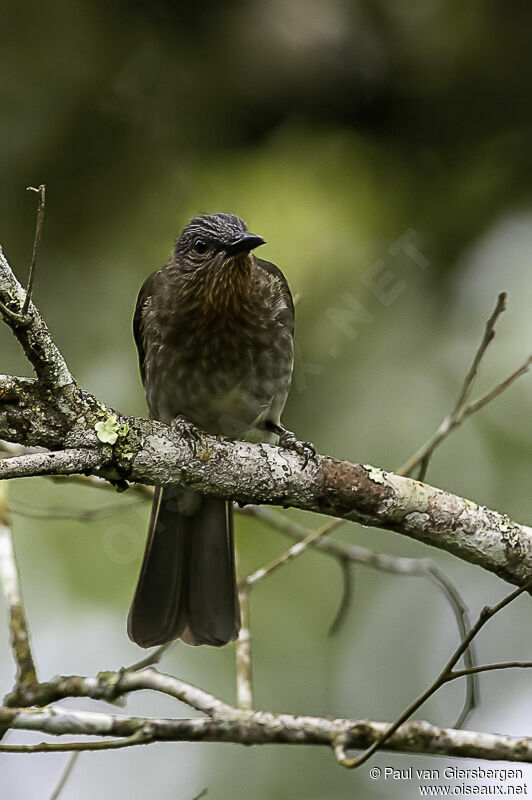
[186,430]
[288,440]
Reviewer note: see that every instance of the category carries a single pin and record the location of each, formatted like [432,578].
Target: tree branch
[26,677]
[259,727]
[96,439]
[149,452]
[35,339]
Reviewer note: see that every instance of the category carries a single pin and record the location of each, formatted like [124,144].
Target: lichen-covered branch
[39,347]
[87,436]
[109,686]
[150,452]
[259,727]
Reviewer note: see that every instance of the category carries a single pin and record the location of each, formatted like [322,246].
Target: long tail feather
[187,583]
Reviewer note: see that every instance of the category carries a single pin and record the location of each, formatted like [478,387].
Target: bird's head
[214,241]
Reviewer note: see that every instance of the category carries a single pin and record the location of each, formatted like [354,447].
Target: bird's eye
[200,246]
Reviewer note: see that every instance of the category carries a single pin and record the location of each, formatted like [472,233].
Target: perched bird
[214,332]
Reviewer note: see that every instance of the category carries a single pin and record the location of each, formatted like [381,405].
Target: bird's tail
[187,584]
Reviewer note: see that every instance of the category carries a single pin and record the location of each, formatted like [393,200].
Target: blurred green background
[339,131]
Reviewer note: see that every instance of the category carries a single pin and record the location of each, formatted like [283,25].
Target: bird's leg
[288,440]
[186,430]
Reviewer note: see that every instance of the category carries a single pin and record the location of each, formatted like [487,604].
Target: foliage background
[332,128]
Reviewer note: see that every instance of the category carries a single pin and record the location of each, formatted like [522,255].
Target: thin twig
[446,675]
[71,760]
[151,659]
[9,577]
[292,552]
[462,408]
[460,673]
[244,674]
[343,551]
[41,191]
[139,737]
[471,699]
[79,515]
[499,389]
[345,600]
[489,335]
[202,793]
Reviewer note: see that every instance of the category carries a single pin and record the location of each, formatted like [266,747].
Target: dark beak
[244,243]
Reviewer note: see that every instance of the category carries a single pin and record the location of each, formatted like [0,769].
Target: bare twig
[460,673]
[345,600]
[79,515]
[244,675]
[140,737]
[446,675]
[292,552]
[21,319]
[41,191]
[151,659]
[243,648]
[499,389]
[471,699]
[489,335]
[462,408]
[20,642]
[70,763]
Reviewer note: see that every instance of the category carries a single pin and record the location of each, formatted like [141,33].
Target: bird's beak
[244,243]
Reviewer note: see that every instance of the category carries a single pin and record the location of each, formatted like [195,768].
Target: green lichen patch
[375,474]
[107,430]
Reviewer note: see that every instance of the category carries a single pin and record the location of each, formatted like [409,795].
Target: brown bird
[214,330]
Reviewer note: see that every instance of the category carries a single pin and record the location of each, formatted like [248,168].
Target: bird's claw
[187,431]
[288,440]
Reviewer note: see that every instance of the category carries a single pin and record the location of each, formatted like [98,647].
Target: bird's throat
[227,293]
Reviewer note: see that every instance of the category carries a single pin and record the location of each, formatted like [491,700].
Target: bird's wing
[286,313]
[143,303]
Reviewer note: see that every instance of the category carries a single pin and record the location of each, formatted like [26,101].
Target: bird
[214,332]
